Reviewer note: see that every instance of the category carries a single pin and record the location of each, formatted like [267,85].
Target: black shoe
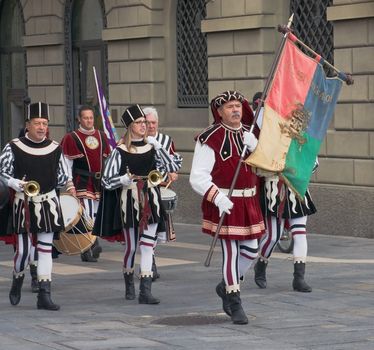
[96,249]
[145,295]
[298,282]
[34,279]
[156,275]
[238,315]
[221,291]
[15,290]
[260,273]
[129,286]
[44,297]
[87,256]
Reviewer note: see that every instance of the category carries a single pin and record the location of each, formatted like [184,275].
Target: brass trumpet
[154,177]
[31,188]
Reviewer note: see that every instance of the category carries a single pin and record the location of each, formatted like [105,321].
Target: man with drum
[216,158]
[86,150]
[34,167]
[130,208]
[151,116]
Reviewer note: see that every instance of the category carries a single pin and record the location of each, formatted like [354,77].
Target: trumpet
[31,188]
[154,177]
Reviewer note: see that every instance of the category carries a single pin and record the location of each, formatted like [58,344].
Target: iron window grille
[311,26]
[192,61]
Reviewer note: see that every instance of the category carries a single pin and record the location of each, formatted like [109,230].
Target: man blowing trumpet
[216,157]
[36,208]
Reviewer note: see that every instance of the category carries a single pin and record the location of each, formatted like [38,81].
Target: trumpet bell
[155,177]
[31,188]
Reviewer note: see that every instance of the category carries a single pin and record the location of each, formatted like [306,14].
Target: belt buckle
[98,175]
[243,192]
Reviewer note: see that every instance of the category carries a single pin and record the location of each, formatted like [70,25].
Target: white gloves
[152,141]
[16,184]
[249,139]
[126,180]
[223,203]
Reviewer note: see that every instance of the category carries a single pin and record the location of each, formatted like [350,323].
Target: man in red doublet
[86,149]
[217,154]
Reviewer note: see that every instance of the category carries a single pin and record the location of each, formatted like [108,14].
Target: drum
[169,199]
[77,237]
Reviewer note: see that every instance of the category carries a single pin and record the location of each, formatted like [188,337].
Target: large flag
[108,126]
[297,112]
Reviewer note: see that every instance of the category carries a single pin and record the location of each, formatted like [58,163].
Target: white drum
[77,237]
[169,199]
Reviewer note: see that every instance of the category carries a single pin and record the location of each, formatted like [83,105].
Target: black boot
[145,295]
[238,315]
[129,285]
[44,297]
[34,279]
[154,270]
[260,273]
[96,249]
[221,291]
[15,290]
[299,283]
[87,256]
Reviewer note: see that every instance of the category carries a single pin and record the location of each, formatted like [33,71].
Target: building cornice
[237,23]
[351,11]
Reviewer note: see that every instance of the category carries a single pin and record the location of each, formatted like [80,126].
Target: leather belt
[38,198]
[244,192]
[96,175]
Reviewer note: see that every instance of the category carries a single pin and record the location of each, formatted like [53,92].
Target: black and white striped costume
[294,214]
[119,212]
[168,145]
[42,162]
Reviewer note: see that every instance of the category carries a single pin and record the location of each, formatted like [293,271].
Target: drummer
[86,150]
[34,157]
[130,208]
[167,143]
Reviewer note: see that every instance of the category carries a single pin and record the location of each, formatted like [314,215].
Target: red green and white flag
[297,112]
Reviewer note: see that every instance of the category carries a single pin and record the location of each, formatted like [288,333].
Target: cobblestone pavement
[338,314]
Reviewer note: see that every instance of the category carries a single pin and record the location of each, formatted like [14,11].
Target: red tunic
[88,151]
[245,220]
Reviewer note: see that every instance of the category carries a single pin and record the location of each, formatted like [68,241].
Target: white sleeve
[202,166]
[69,164]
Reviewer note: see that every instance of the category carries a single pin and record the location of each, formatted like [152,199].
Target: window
[85,50]
[12,70]
[192,62]
[311,26]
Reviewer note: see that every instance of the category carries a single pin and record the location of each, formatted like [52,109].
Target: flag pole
[108,126]
[236,174]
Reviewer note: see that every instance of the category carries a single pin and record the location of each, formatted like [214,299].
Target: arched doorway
[87,50]
[12,70]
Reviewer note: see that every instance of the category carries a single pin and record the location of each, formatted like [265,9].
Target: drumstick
[168,184]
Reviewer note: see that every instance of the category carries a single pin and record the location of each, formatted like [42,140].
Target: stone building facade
[48,48]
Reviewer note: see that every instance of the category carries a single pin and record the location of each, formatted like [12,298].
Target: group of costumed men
[126,206]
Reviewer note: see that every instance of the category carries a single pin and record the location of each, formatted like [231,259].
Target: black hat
[38,110]
[132,113]
[255,99]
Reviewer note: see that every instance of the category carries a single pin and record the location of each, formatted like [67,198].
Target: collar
[230,128]
[86,132]
[27,136]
